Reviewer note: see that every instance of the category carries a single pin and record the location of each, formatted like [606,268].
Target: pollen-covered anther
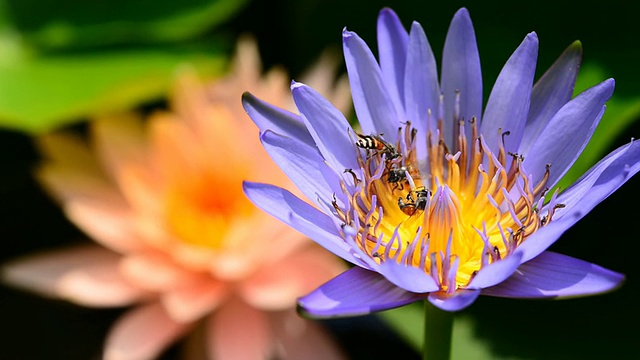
[460,210]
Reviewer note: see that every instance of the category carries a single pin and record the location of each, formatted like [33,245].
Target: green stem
[438,325]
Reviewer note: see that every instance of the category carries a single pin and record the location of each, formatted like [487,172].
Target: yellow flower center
[450,216]
[201,208]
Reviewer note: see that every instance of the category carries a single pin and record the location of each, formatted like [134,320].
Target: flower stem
[438,325]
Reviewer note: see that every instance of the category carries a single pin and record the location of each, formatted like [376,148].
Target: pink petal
[299,338]
[141,187]
[92,203]
[173,147]
[233,265]
[86,275]
[238,331]
[71,171]
[157,273]
[239,262]
[190,101]
[67,183]
[193,302]
[69,151]
[277,286]
[142,333]
[119,141]
[193,257]
[108,222]
[222,132]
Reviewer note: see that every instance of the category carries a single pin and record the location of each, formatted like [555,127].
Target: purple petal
[328,127]
[267,116]
[456,301]
[551,275]
[392,51]
[374,107]
[568,132]
[355,292]
[496,272]
[461,71]
[603,178]
[550,93]
[508,105]
[422,91]
[301,216]
[408,277]
[596,185]
[299,161]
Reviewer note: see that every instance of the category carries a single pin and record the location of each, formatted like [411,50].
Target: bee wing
[421,170]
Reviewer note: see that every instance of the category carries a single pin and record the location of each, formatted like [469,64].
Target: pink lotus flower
[176,236]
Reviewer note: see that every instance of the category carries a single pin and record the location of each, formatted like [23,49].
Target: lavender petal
[422,91]
[508,105]
[550,93]
[374,107]
[592,188]
[355,292]
[281,121]
[408,277]
[328,127]
[301,216]
[461,72]
[298,161]
[552,275]
[496,272]
[576,121]
[392,51]
[456,301]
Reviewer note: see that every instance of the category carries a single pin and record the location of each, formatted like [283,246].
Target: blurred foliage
[408,321]
[40,93]
[73,59]
[81,23]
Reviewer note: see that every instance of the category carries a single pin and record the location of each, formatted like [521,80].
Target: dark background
[293,33]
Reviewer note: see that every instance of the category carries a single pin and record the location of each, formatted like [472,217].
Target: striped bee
[377,144]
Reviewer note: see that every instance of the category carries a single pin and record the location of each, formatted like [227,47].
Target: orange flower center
[200,209]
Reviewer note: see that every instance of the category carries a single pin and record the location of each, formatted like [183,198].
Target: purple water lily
[434,198]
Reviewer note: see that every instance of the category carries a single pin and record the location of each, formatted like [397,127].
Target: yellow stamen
[451,216]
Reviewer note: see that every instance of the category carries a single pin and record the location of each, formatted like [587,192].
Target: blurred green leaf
[80,23]
[408,322]
[620,113]
[40,93]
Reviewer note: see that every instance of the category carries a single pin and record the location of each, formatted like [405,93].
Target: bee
[378,144]
[397,177]
[411,205]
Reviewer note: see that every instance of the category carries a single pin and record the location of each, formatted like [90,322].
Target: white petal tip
[295,84]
